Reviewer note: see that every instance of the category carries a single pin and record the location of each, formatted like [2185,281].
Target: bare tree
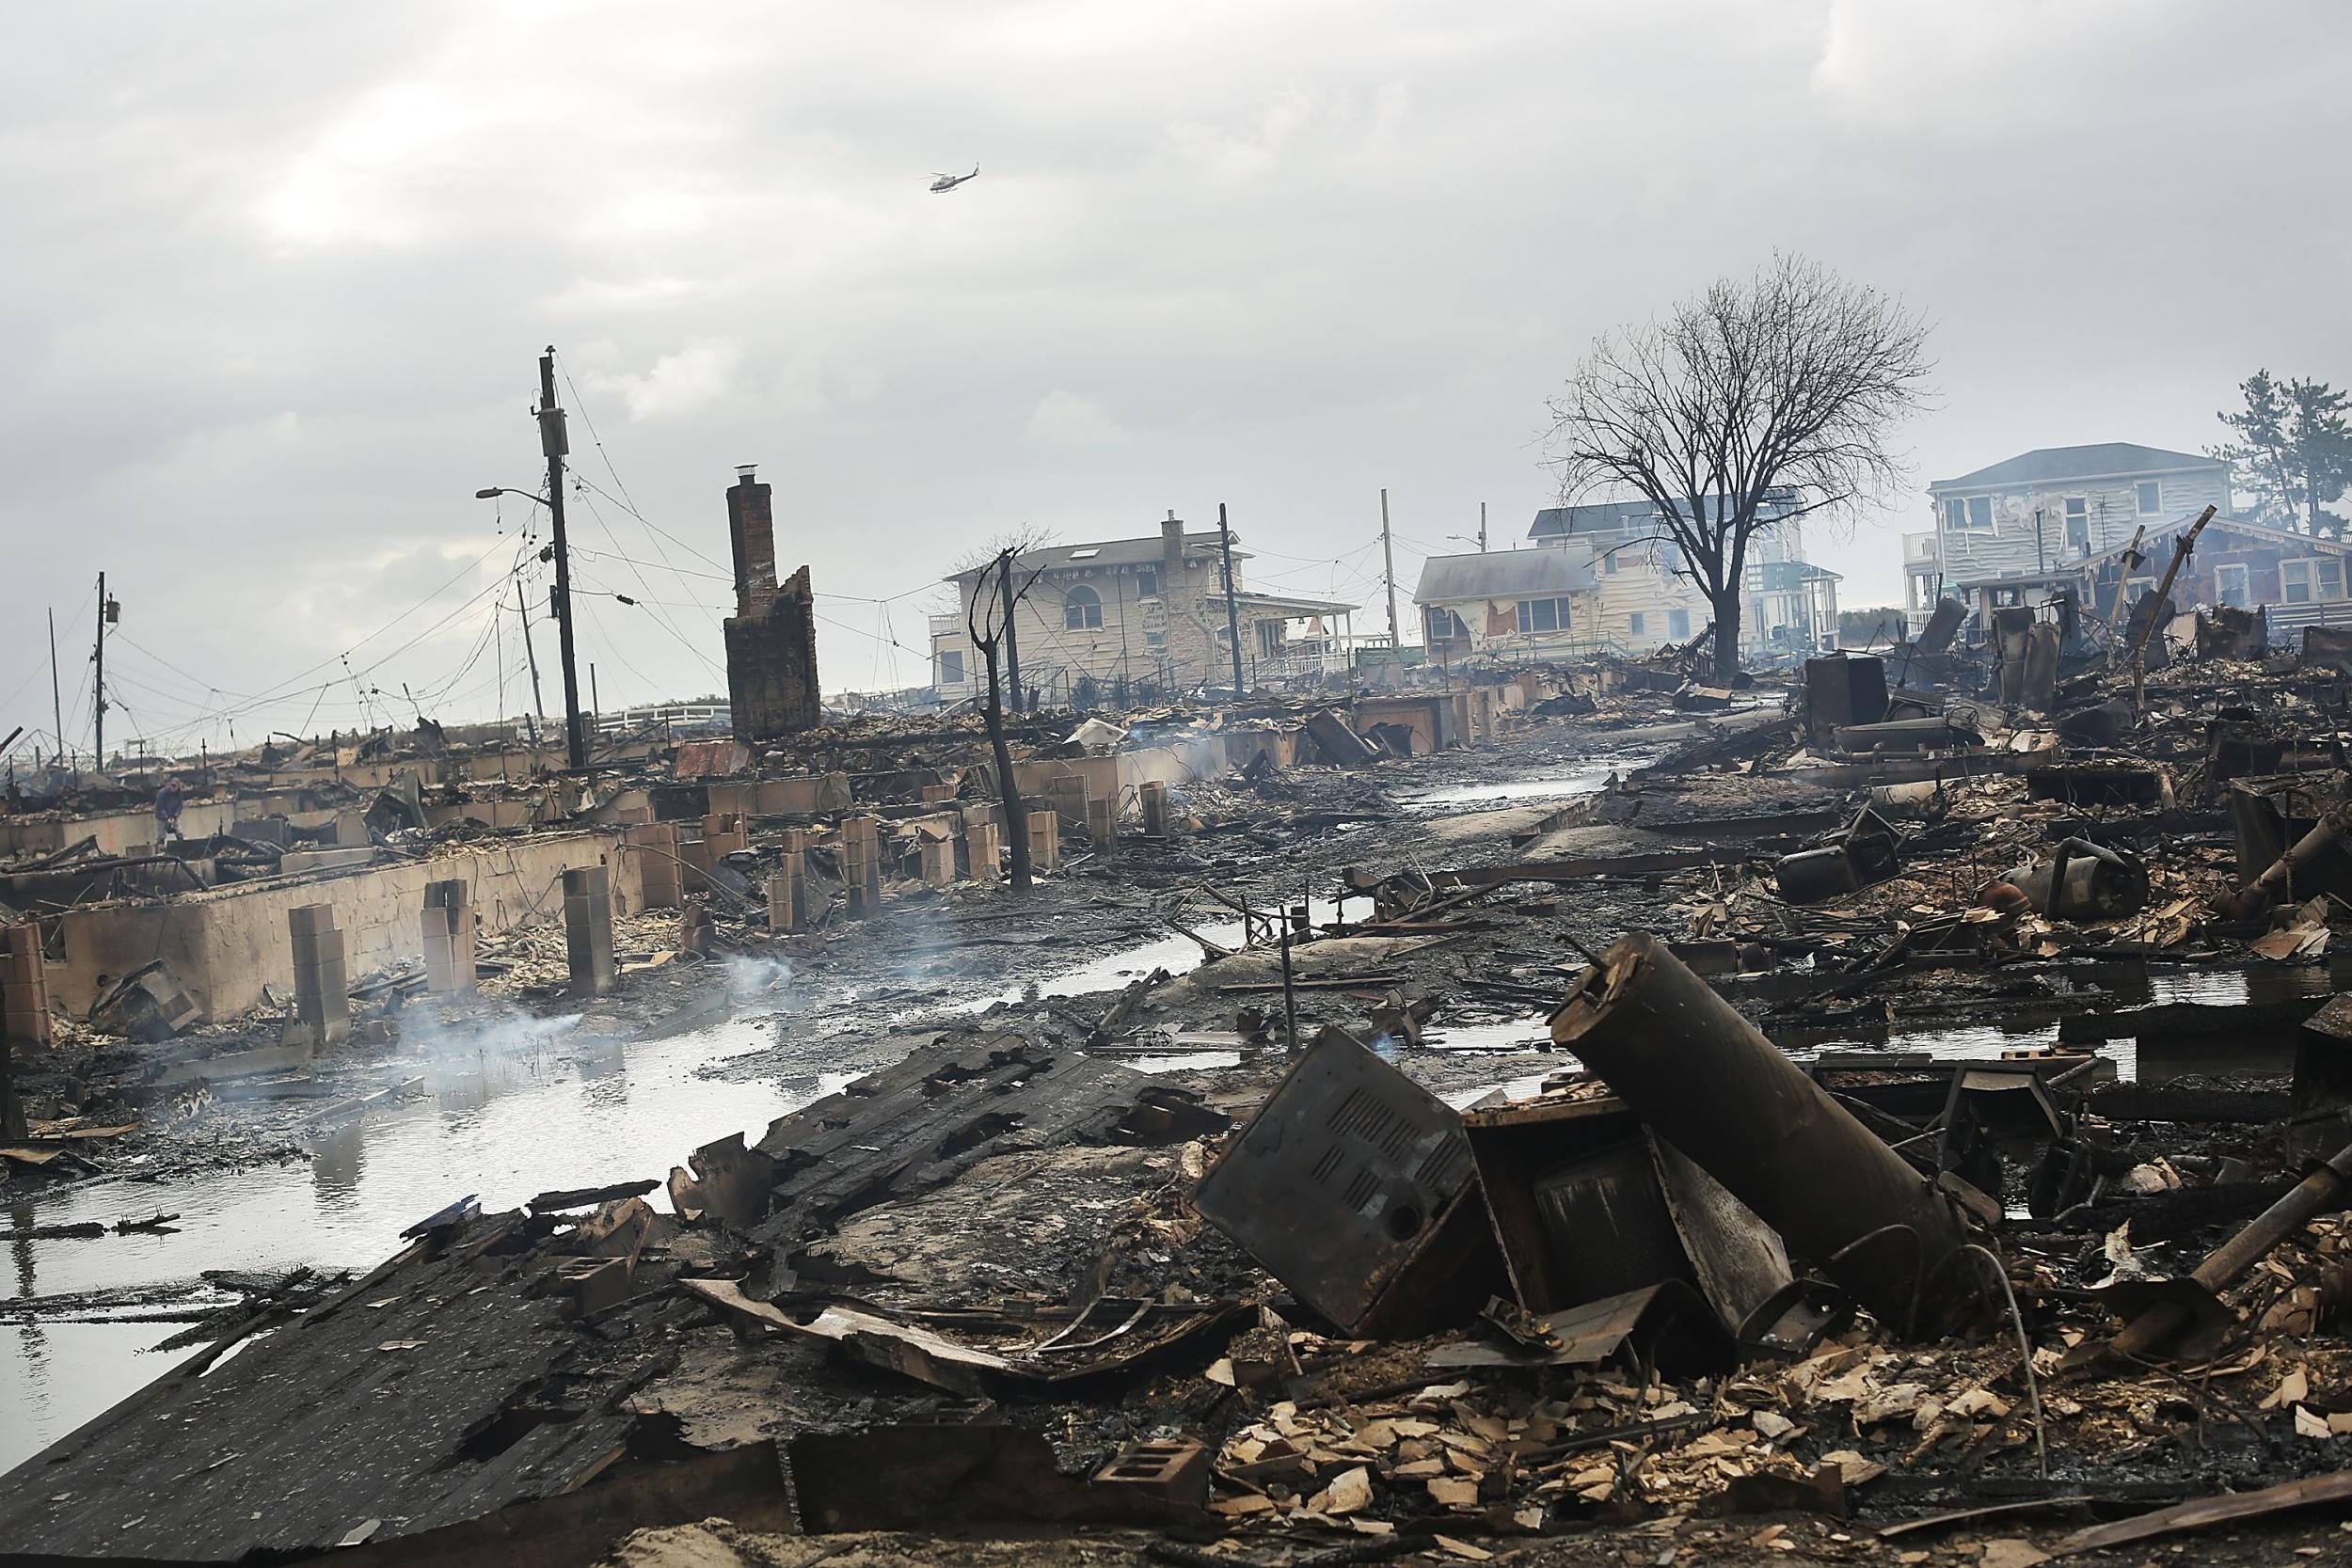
[997,589]
[1746,408]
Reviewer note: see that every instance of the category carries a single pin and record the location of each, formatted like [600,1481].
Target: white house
[2042,514]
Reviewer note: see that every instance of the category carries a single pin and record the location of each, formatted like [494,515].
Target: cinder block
[588,930]
[311,919]
[980,849]
[939,861]
[1152,796]
[1044,839]
[787,895]
[318,947]
[655,849]
[1103,825]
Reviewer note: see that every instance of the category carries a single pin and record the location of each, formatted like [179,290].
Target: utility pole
[1012,635]
[1233,612]
[596,704]
[531,649]
[1482,527]
[1387,567]
[98,708]
[553,442]
[56,703]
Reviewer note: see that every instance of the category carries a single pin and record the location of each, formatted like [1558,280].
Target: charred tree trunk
[1008,788]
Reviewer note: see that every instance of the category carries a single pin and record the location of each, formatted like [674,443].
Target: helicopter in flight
[941,182]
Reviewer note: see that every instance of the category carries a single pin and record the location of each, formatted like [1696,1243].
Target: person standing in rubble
[167,804]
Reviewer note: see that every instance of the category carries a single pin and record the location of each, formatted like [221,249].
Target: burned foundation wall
[771,637]
[228,943]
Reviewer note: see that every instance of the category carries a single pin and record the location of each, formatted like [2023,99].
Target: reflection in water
[1556,787]
[555,1111]
[1175,952]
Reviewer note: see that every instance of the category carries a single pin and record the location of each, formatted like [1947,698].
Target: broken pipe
[1706,1080]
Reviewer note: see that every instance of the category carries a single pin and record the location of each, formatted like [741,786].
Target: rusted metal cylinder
[1709,1083]
[2322,1190]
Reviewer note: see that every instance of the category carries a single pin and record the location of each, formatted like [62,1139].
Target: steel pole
[1706,1081]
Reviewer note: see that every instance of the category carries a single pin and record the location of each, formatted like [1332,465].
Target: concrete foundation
[226,943]
[980,849]
[322,978]
[787,895]
[653,853]
[24,987]
[448,934]
[1044,839]
[588,929]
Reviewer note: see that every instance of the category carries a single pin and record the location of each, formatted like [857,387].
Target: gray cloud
[278,274]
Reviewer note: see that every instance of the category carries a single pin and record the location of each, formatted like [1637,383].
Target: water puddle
[1529,791]
[556,1110]
[1176,952]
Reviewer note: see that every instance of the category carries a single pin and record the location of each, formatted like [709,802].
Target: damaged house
[1604,579]
[2032,522]
[1136,616]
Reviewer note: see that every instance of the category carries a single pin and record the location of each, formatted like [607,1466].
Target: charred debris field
[1582,1115]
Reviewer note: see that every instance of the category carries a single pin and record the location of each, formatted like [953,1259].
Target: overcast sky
[276,277]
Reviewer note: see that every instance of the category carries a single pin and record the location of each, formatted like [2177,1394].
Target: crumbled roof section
[2100,460]
[1106,552]
[1503,575]
[1557,522]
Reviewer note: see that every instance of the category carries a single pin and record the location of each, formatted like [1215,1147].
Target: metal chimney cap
[743,470]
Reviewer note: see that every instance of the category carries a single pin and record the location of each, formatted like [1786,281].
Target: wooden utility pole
[553,441]
[98,706]
[57,702]
[2122,579]
[1233,611]
[2164,591]
[1482,527]
[1388,566]
[530,651]
[1013,642]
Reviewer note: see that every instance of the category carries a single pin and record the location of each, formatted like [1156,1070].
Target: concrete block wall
[226,943]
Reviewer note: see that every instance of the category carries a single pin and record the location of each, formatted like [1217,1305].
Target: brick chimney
[1171,555]
[752,530]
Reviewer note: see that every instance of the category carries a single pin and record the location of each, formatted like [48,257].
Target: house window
[1148,584]
[1955,513]
[952,666]
[2229,582]
[1444,625]
[2078,524]
[1609,564]
[2302,581]
[1633,624]
[1974,515]
[1678,624]
[1543,615]
[2151,497]
[1081,609]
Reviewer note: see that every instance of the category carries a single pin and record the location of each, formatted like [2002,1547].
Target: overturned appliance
[1353,1187]
[1868,851]
[2084,881]
[1392,1215]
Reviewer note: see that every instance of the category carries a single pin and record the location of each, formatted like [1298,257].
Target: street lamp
[552,442]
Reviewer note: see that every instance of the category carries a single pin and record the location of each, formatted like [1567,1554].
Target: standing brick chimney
[1172,555]
[752,530]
